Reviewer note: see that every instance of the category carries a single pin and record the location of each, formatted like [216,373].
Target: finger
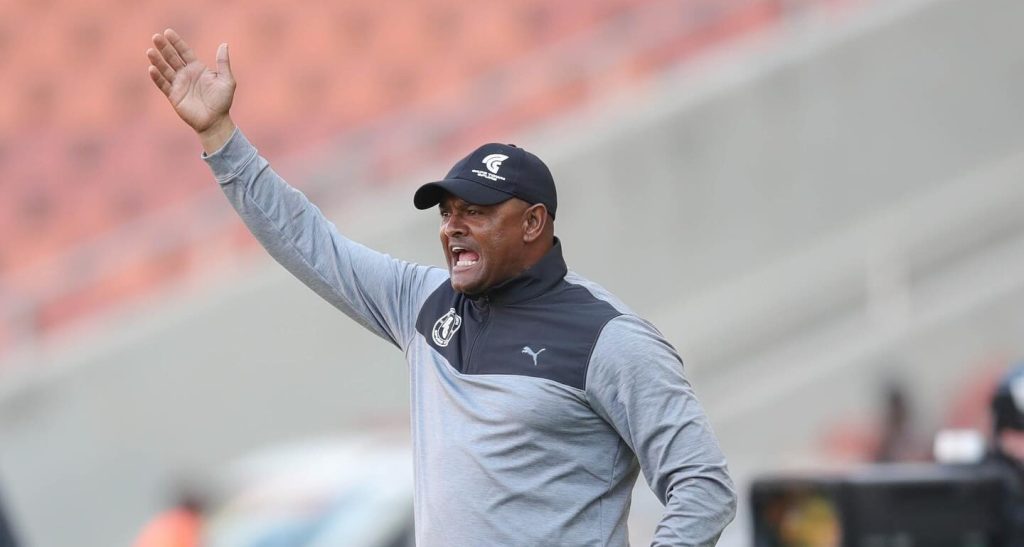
[159,80]
[224,61]
[168,52]
[158,62]
[180,46]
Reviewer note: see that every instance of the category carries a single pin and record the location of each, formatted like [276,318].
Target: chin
[468,287]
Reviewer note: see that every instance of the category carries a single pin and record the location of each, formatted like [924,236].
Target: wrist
[217,134]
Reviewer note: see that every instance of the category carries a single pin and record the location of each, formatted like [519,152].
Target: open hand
[201,97]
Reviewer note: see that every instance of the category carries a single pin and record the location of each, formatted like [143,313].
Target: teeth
[465,263]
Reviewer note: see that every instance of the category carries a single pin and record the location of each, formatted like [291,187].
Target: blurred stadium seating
[105,200]
[801,211]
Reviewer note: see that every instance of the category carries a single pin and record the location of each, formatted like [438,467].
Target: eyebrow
[459,203]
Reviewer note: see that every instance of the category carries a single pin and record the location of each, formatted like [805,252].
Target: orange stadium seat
[89,151]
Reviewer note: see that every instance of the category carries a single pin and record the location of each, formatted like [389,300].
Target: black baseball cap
[492,174]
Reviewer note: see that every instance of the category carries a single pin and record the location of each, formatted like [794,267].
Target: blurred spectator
[1007,451]
[892,435]
[180,526]
[898,441]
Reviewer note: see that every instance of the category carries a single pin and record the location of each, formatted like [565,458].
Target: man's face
[483,244]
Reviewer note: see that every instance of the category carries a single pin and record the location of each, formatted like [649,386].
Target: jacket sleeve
[381,293]
[635,382]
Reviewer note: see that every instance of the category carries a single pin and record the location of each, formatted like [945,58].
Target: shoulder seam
[422,303]
[430,295]
[590,354]
[609,298]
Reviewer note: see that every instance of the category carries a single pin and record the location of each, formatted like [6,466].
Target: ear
[535,220]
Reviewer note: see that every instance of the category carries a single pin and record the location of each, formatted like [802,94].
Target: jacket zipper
[483,328]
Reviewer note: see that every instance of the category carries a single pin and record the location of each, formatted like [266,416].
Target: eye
[445,214]
[472,211]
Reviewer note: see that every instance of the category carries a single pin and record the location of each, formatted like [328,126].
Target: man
[536,395]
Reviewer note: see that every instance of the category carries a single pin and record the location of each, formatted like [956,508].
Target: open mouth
[464,257]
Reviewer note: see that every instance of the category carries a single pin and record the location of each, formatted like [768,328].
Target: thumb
[223,61]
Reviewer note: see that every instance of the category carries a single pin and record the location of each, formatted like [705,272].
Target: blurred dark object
[6,533]
[977,504]
[896,504]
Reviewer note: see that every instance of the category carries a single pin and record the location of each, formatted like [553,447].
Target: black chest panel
[549,335]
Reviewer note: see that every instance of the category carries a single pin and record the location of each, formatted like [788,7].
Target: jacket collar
[533,282]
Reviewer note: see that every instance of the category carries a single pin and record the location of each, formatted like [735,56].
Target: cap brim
[432,193]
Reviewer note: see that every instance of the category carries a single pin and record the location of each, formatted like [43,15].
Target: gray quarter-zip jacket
[533,406]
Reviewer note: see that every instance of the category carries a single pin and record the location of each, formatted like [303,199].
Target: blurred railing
[859,295]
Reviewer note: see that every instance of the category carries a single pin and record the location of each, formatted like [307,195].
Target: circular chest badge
[445,328]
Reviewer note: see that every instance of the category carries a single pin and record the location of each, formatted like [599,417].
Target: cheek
[496,243]
[503,254]
[444,243]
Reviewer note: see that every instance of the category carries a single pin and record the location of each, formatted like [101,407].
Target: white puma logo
[531,353]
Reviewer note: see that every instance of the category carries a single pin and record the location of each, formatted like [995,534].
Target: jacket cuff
[227,162]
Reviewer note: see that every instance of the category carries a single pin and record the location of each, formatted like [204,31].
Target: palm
[200,96]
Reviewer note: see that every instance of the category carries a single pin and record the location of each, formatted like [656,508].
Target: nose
[454,226]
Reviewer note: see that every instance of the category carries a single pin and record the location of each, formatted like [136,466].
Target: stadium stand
[106,199]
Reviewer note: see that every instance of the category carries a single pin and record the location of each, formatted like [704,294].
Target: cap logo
[493,162]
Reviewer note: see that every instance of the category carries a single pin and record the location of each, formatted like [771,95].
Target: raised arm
[381,293]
